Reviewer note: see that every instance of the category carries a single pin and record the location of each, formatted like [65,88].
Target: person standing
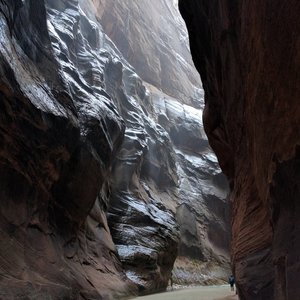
[231,281]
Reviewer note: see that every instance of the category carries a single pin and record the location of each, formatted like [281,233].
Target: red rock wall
[247,53]
[55,153]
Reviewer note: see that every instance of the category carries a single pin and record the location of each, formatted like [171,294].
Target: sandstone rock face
[247,53]
[59,132]
[191,184]
[152,37]
[202,211]
[98,169]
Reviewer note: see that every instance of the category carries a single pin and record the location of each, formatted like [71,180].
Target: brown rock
[247,53]
[54,158]
[83,137]
[154,43]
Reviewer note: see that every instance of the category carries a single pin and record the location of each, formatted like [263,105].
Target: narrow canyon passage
[247,53]
[109,186]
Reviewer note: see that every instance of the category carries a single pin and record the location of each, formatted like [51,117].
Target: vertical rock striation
[98,167]
[247,53]
[153,38]
[64,87]
[59,131]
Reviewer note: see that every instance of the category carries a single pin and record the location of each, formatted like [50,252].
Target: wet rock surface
[202,210]
[159,180]
[153,39]
[165,159]
[247,53]
[59,131]
[98,169]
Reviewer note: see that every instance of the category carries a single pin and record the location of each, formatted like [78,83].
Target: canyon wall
[247,53]
[104,177]
[153,38]
[59,133]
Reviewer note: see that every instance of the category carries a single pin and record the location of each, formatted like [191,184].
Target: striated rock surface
[142,225]
[247,53]
[152,37]
[99,169]
[59,131]
[158,139]
[202,210]
[158,176]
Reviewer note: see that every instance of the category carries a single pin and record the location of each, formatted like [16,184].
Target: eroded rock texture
[84,139]
[152,37]
[202,210]
[247,53]
[59,131]
[177,167]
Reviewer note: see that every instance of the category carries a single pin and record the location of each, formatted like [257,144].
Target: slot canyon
[111,183]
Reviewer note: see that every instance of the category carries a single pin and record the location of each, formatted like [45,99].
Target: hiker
[231,281]
[171,280]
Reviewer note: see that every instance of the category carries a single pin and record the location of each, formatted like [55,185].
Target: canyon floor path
[196,293]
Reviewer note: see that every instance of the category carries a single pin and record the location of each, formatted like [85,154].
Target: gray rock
[154,43]
[85,139]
